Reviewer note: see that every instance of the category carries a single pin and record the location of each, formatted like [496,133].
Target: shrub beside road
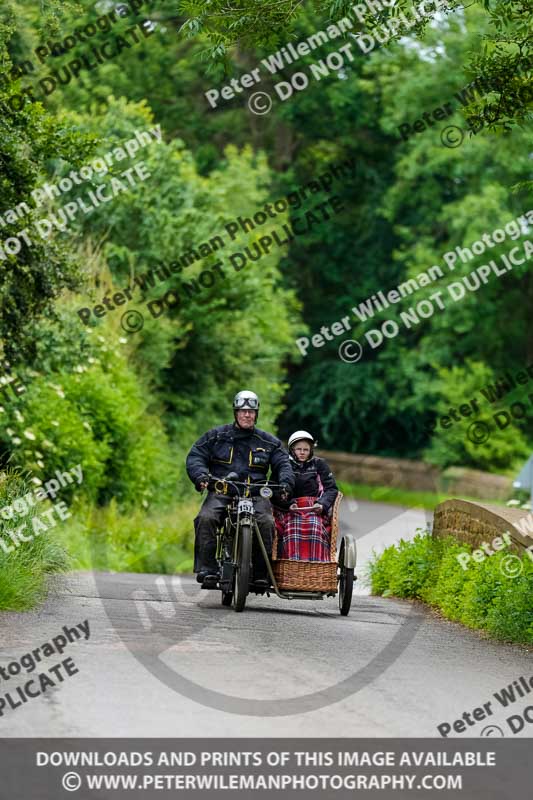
[494,595]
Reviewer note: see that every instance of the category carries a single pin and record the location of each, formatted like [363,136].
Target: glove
[284,491]
[201,483]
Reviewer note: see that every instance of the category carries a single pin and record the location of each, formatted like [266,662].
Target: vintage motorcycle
[288,579]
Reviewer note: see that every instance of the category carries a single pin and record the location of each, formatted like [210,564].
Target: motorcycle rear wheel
[243,560]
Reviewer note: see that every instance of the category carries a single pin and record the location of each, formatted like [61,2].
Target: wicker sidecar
[314,580]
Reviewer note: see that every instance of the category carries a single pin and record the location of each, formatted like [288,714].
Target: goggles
[246,402]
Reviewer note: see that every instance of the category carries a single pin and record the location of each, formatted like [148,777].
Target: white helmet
[299,436]
[246,399]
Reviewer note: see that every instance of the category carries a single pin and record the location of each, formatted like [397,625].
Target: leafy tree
[33,271]
[467,442]
[503,56]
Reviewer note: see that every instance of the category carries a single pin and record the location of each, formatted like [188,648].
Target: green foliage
[404,569]
[155,542]
[506,61]
[96,416]
[30,140]
[503,450]
[128,407]
[239,22]
[225,328]
[446,593]
[25,571]
[482,596]
[502,56]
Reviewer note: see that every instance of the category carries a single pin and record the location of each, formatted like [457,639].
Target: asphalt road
[164,658]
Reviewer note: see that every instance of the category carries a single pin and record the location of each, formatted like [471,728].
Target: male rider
[250,452]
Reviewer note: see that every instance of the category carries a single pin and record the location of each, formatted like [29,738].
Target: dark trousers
[208,521]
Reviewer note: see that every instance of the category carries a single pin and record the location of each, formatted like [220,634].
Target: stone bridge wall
[417,476]
[475,523]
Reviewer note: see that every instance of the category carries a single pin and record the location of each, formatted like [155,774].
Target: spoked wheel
[345,586]
[243,560]
[226,555]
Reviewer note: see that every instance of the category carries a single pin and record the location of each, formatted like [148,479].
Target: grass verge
[136,541]
[91,539]
[25,566]
[483,596]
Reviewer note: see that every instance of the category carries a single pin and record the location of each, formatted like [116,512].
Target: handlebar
[230,480]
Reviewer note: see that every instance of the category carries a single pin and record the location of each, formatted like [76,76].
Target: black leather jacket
[249,453]
[306,482]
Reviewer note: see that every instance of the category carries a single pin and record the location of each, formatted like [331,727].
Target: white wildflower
[30,435]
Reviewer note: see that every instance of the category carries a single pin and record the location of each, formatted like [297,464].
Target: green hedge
[481,596]
[97,413]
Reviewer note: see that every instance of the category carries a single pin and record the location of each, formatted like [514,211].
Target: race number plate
[246,507]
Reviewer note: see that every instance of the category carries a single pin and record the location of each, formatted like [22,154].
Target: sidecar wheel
[346,579]
[345,590]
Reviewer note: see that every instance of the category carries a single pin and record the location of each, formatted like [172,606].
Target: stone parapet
[475,523]
[417,476]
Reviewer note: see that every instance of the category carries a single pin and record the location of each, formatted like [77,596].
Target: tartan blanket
[302,535]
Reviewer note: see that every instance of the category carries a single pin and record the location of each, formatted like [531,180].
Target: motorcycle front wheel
[243,560]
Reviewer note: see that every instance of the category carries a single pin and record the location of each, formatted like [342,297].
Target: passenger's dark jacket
[249,453]
[306,482]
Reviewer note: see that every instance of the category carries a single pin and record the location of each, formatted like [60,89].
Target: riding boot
[206,525]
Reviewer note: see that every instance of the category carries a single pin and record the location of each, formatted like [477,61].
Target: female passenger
[304,535]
